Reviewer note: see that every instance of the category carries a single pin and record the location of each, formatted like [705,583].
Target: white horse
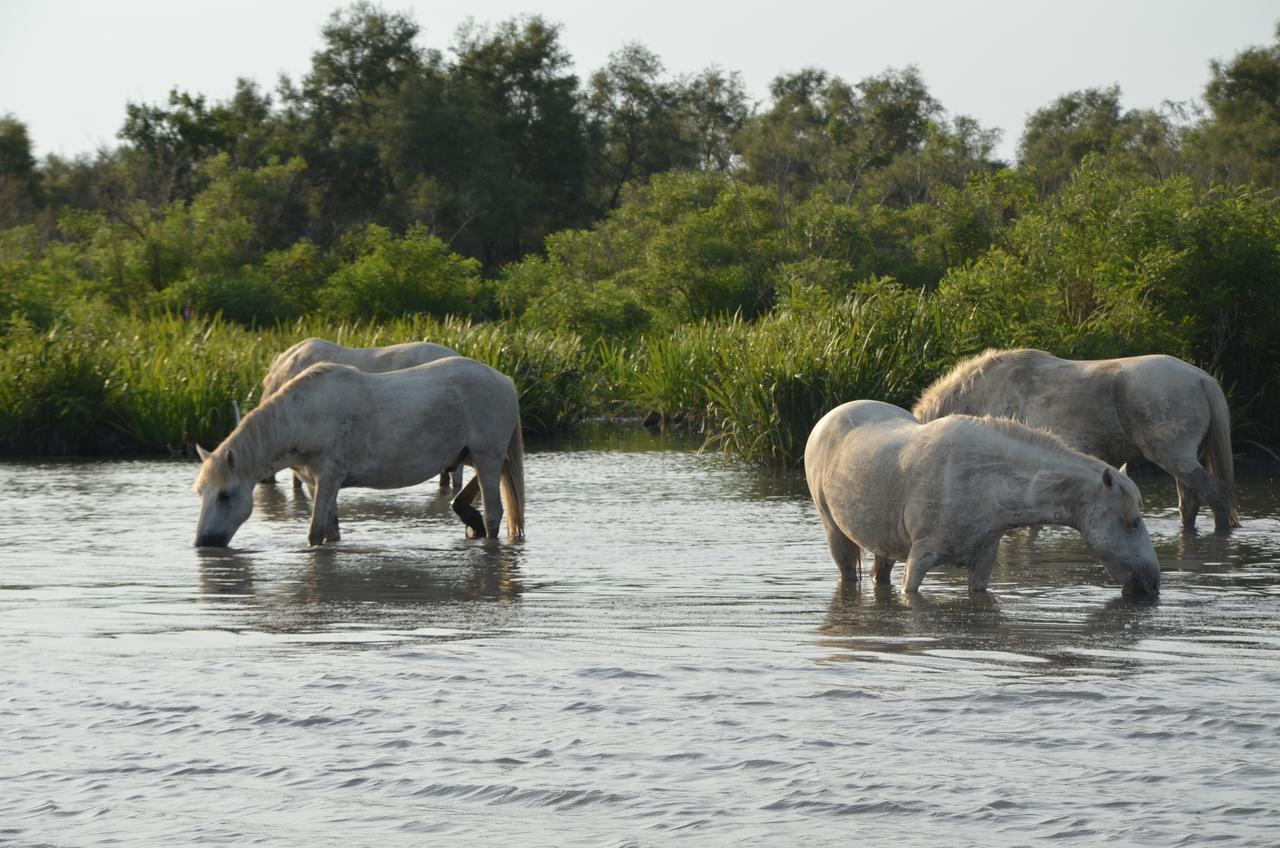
[373,360]
[342,427]
[1119,410]
[947,491]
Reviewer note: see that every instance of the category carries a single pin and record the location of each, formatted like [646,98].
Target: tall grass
[161,384]
[110,383]
[775,379]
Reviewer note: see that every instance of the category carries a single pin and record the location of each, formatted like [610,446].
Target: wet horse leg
[919,561]
[324,514]
[984,562]
[882,569]
[1188,505]
[490,476]
[462,506]
[1208,489]
[845,552]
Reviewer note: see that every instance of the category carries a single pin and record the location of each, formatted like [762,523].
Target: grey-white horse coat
[373,360]
[342,427]
[947,491]
[1119,410]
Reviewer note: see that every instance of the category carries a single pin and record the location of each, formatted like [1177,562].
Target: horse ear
[202,453]
[1124,469]
[1106,478]
[231,460]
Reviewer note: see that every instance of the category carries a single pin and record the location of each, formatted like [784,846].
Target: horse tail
[1217,450]
[513,483]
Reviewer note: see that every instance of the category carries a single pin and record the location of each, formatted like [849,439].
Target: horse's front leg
[882,569]
[469,514]
[923,557]
[982,564]
[324,514]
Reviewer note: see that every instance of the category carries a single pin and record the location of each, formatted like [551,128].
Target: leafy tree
[526,175]
[788,148]
[1240,141]
[639,120]
[715,109]
[333,119]
[391,277]
[19,183]
[1059,136]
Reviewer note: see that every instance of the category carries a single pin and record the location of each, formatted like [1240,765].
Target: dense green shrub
[394,277]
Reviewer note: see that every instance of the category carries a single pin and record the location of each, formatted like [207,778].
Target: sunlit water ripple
[668,657]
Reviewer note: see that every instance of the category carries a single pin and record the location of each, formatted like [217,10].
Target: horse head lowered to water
[1119,410]
[945,492]
[342,427]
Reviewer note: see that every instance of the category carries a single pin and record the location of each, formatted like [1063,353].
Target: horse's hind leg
[845,552]
[451,477]
[1188,505]
[882,569]
[324,515]
[489,476]
[1206,488]
[462,506]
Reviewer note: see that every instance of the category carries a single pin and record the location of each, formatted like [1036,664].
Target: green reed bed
[99,382]
[775,379]
[757,389]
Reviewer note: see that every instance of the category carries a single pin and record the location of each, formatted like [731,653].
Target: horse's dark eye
[224,496]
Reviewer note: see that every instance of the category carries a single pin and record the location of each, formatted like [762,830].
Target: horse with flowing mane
[342,427]
[948,490]
[294,360]
[1157,408]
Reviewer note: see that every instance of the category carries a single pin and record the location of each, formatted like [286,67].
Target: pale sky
[67,67]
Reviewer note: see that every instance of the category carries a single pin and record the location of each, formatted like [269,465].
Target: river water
[667,658]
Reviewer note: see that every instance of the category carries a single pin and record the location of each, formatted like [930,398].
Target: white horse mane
[1048,442]
[1017,430]
[944,395]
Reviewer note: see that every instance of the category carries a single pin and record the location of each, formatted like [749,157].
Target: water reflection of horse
[391,589]
[886,623]
[1119,410]
[946,492]
[344,427]
[372,360]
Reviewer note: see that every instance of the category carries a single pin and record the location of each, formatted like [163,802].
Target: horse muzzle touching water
[947,491]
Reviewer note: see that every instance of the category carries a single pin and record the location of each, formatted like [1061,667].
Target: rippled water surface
[667,657]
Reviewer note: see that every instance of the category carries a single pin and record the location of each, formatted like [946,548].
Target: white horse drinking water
[373,360]
[945,492]
[1119,410]
[342,427]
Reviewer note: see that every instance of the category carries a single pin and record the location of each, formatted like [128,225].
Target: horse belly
[403,455]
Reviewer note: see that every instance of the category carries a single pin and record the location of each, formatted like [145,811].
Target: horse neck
[256,442]
[1047,490]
